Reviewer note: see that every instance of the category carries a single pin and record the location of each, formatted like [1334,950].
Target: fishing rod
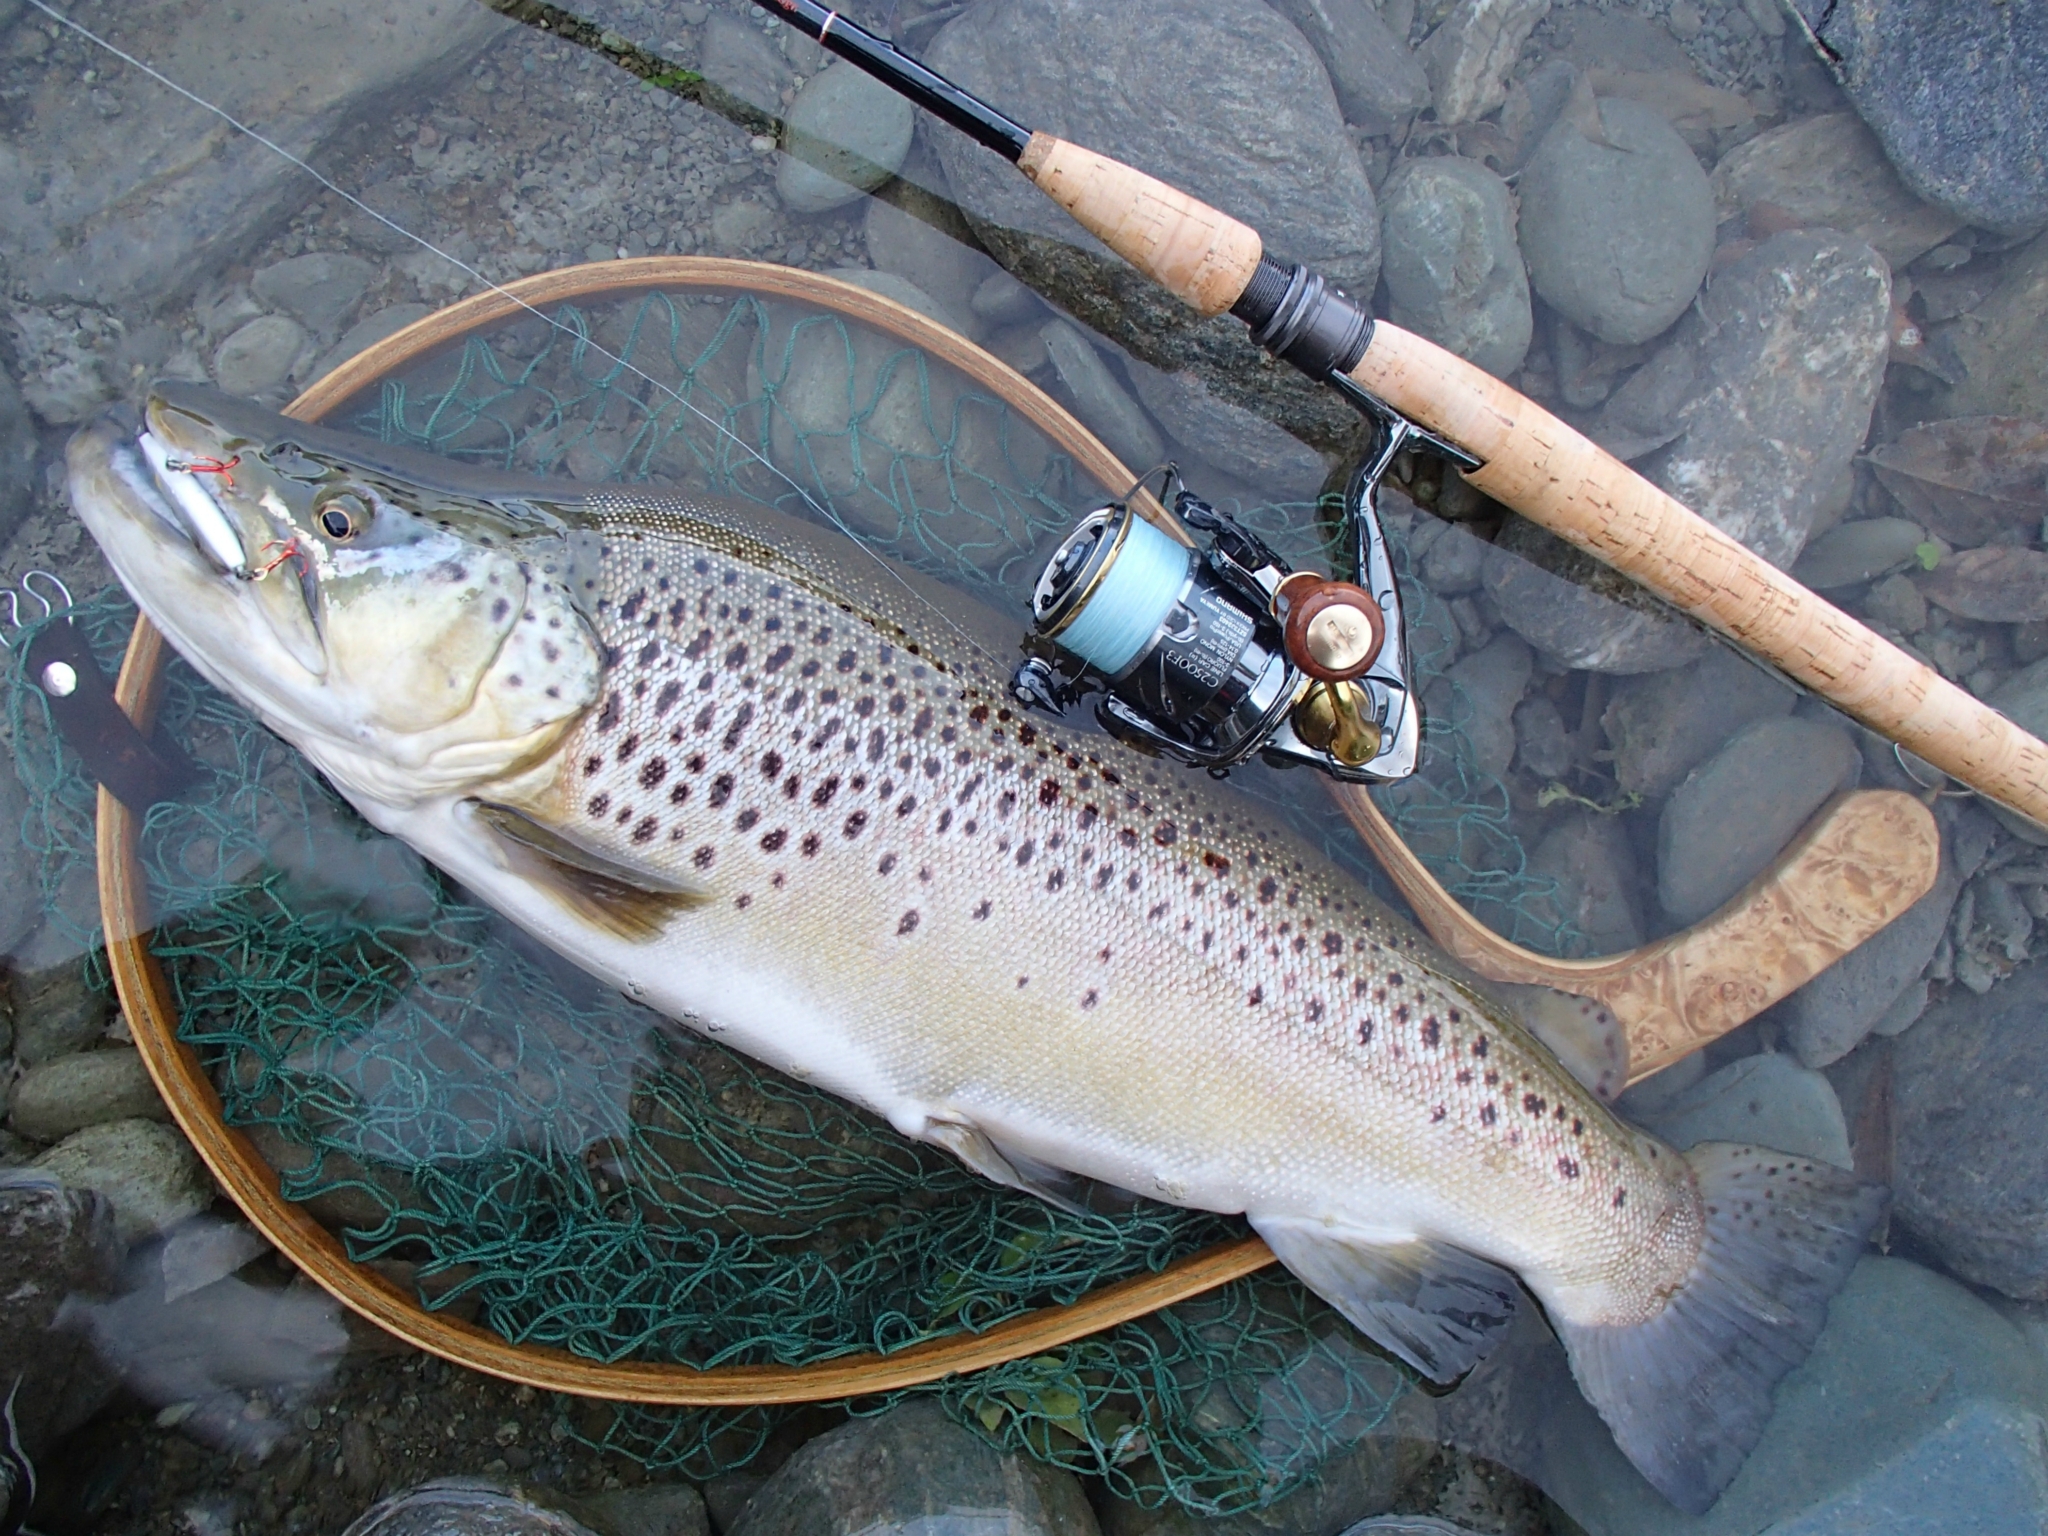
[1505,444]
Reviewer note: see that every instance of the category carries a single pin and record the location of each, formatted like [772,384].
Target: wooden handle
[1202,257]
[1858,864]
[1553,476]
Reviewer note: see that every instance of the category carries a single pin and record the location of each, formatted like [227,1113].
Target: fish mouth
[178,459]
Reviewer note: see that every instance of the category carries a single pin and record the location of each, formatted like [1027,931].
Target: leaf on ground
[1998,585]
[1971,479]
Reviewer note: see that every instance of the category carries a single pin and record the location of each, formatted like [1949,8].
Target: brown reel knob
[1333,630]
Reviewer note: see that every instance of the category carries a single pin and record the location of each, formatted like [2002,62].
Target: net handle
[252,1184]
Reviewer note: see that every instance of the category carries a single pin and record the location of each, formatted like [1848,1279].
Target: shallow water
[1795,343]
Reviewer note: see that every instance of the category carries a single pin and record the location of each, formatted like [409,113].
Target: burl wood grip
[1553,476]
[1203,257]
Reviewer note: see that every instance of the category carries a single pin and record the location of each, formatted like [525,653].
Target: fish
[768,783]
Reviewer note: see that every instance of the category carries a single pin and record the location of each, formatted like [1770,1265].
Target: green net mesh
[587,1175]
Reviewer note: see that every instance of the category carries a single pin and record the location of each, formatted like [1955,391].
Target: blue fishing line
[1134,595]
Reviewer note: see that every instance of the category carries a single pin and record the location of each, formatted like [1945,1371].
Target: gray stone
[1455,560]
[90,1088]
[742,59]
[132,210]
[1955,93]
[147,1172]
[2003,343]
[1617,234]
[1544,748]
[909,1472]
[1243,444]
[257,359]
[56,1012]
[2023,699]
[17,486]
[1379,82]
[664,1509]
[64,370]
[940,257]
[1794,335]
[1970,1166]
[1468,56]
[1489,684]
[846,133]
[739,225]
[1002,300]
[464,1507]
[319,288]
[1905,1011]
[1663,726]
[1103,404]
[368,331]
[55,1243]
[1734,813]
[1579,612]
[1860,551]
[1268,145]
[1998,585]
[1452,267]
[1599,890]
[1759,1101]
[20,879]
[1830,170]
[1022,347]
[1897,604]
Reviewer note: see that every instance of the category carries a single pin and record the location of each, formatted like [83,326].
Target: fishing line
[350,198]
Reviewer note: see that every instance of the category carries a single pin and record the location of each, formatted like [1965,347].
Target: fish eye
[342,517]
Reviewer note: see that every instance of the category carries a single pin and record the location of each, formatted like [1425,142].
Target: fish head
[413,636]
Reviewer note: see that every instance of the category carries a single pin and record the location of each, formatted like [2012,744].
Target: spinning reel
[1214,655]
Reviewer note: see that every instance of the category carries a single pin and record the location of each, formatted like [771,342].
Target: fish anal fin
[1689,1392]
[1582,1033]
[1437,1307]
[631,903]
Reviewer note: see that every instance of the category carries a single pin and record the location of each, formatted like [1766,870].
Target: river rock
[318,289]
[368,331]
[1579,612]
[1001,300]
[1243,444]
[1489,684]
[55,1244]
[147,1172]
[1103,404]
[21,905]
[908,1472]
[846,133]
[1830,170]
[740,58]
[256,359]
[2023,699]
[464,1507]
[927,243]
[1468,57]
[56,1011]
[17,479]
[1787,351]
[90,1088]
[1379,83]
[1761,1101]
[1455,560]
[1618,234]
[1267,144]
[1452,267]
[1599,890]
[1663,726]
[133,209]
[2003,343]
[1544,747]
[1860,551]
[1955,93]
[1734,813]
[1998,585]
[1970,1164]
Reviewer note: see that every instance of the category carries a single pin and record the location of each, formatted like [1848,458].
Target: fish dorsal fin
[1584,1035]
[1432,1305]
[632,903]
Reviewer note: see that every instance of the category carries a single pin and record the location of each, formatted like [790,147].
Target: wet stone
[20,887]
[2003,343]
[1579,612]
[1860,551]
[2023,699]
[1485,687]
[56,1012]
[941,258]
[1955,95]
[1105,407]
[846,133]
[1002,300]
[319,289]
[90,1088]
[1454,561]
[1244,445]
[1468,57]
[1760,1101]
[1999,585]
[743,60]
[147,1172]
[1734,813]
[17,496]
[256,359]
[1663,726]
[1544,749]
[1617,234]
[1379,83]
[368,331]
[1897,604]
[905,1472]
[1599,889]
[1452,267]
[55,1243]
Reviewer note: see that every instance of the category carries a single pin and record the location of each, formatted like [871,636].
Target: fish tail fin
[1687,1393]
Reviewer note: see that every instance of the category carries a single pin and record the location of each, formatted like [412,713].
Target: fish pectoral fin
[1437,1307]
[1582,1033]
[1055,1186]
[632,903]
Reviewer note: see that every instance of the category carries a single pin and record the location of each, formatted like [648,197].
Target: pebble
[1490,683]
[319,288]
[904,1473]
[256,359]
[846,133]
[1955,96]
[662,1509]
[1617,235]
[737,226]
[1599,889]
[1002,300]
[2023,699]
[1896,603]
[743,60]
[2003,345]
[1855,552]
[55,1243]
[368,331]
[1830,170]
[1544,747]
[1663,726]
[56,1012]
[1998,585]
[1734,813]
[1970,1165]
[1760,1101]
[1452,268]
[91,1088]
[1579,612]
[936,251]
[1468,57]
[1105,407]
[1454,561]
[1379,82]
[17,495]
[147,1171]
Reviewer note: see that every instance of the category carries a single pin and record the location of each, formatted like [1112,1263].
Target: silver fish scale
[1140,974]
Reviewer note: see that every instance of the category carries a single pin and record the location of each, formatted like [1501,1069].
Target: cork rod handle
[1554,476]
[1202,257]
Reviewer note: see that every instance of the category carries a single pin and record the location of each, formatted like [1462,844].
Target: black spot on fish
[1089,998]
[703,856]
[1620,1198]
[665,700]
[679,794]
[1314,1010]
[500,607]
[738,727]
[1268,888]
[771,765]
[854,823]
[653,771]
[1464,1077]
[1393,978]
[1488,1114]
[1432,1032]
[1056,879]
[1532,1105]
[721,790]
[1567,1167]
[599,804]
[778,658]
[628,747]
[1333,944]
[746,819]
[1479,1046]
[810,845]
[644,833]
[1437,1114]
[1365,1032]
[771,842]
[1025,850]
[907,924]
[591,765]
[1048,792]
[608,716]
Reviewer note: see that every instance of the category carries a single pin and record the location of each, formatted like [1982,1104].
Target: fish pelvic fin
[632,903]
[1584,1035]
[1687,1393]
[1438,1308]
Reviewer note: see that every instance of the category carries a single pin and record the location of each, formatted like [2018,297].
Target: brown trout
[751,775]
